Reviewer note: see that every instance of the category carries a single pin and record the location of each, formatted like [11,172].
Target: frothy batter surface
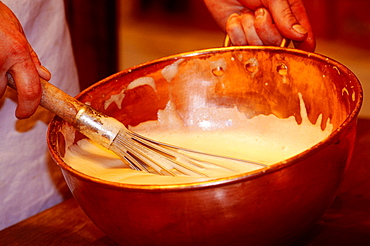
[263,139]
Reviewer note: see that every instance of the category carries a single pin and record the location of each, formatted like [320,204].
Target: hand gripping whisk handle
[93,124]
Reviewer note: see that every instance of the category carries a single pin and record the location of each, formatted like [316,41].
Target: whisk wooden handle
[90,122]
[55,100]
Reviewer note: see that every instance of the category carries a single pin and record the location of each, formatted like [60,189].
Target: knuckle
[288,14]
[19,47]
[19,50]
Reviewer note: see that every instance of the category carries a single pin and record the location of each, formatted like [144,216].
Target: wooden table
[346,222]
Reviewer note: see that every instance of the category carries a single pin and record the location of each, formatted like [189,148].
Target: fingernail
[299,29]
[260,13]
[234,15]
[44,73]
[45,69]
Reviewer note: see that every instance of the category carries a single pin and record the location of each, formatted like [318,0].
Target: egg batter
[221,131]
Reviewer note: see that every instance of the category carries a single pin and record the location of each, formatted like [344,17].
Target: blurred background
[109,36]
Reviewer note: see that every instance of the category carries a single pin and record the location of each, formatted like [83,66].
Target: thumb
[286,20]
[41,70]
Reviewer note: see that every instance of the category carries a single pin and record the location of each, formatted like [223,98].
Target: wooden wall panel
[93,31]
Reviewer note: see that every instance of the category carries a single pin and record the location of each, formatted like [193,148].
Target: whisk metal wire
[143,154]
[155,157]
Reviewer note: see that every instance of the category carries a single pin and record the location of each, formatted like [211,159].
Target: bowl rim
[225,180]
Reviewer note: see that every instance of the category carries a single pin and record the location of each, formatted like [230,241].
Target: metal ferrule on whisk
[96,126]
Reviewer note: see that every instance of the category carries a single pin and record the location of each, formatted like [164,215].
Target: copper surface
[274,205]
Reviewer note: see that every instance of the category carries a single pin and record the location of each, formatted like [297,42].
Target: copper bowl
[266,207]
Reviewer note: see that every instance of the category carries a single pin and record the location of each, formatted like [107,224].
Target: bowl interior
[254,81]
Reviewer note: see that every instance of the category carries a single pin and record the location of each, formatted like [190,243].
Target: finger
[266,29]
[309,43]
[286,20]
[247,19]
[28,88]
[44,72]
[235,30]
[221,10]
[41,70]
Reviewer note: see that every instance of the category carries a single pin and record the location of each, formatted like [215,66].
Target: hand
[19,60]
[264,22]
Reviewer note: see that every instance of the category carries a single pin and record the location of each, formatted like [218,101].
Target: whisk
[138,152]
